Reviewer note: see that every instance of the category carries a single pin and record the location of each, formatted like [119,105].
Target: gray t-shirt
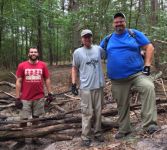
[88,62]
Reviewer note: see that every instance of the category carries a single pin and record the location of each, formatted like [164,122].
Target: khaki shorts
[32,108]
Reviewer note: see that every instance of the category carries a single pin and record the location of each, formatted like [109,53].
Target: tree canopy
[54,25]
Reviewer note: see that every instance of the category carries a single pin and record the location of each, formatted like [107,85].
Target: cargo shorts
[32,108]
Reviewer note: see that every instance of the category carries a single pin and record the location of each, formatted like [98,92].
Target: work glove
[49,99]
[74,89]
[146,70]
[18,103]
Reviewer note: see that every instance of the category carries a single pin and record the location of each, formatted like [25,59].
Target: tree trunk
[154,9]
[1,20]
[130,13]
[39,30]
[50,28]
[39,38]
[74,6]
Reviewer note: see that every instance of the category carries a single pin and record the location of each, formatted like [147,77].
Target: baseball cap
[86,31]
[119,14]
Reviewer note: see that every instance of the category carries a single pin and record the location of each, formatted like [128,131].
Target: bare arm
[148,54]
[48,85]
[74,74]
[18,87]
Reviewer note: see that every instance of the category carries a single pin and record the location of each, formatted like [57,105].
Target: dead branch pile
[63,118]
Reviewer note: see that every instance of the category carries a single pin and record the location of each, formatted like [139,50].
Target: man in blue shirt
[126,68]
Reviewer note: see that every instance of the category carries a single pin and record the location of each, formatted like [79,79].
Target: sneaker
[85,143]
[151,129]
[120,135]
[99,138]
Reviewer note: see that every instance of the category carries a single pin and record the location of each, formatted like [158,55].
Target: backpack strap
[106,41]
[131,33]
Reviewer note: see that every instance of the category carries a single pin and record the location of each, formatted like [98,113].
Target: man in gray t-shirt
[87,63]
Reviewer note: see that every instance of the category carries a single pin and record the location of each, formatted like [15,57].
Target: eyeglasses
[119,22]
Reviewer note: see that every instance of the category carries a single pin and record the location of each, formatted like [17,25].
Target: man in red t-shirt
[31,76]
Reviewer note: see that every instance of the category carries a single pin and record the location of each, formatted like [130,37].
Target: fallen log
[63,121]
[4,97]
[72,97]
[77,132]
[5,101]
[59,137]
[76,119]
[8,84]
[8,94]
[54,117]
[10,129]
[164,42]
[106,112]
[39,132]
[113,112]
[70,132]
[61,102]
[3,118]
[59,108]
[13,75]
[7,106]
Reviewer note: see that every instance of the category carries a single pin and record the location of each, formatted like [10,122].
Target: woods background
[54,25]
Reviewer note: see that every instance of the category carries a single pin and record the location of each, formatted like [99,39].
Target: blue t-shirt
[123,54]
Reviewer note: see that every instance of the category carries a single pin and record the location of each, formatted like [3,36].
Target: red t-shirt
[33,76]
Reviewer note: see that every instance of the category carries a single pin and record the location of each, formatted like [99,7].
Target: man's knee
[147,85]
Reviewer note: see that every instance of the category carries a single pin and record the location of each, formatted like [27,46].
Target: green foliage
[61,25]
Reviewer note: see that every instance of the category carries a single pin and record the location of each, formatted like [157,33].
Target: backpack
[130,31]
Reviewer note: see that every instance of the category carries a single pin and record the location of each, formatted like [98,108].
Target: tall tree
[2,3]
[39,29]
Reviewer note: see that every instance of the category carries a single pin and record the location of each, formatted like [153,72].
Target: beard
[32,58]
[119,29]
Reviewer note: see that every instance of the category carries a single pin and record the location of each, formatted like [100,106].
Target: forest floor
[61,82]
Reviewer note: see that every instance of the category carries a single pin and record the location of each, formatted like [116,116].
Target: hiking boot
[152,128]
[36,141]
[99,138]
[85,143]
[20,143]
[120,135]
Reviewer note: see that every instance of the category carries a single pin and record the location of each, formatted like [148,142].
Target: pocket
[84,101]
[84,109]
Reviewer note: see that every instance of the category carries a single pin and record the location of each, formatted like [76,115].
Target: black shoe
[85,143]
[99,138]
[151,129]
[36,141]
[20,143]
[120,135]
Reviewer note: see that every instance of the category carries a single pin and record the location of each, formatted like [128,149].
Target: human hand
[18,103]
[74,89]
[146,70]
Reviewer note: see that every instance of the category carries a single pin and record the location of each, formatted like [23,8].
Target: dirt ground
[61,82]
